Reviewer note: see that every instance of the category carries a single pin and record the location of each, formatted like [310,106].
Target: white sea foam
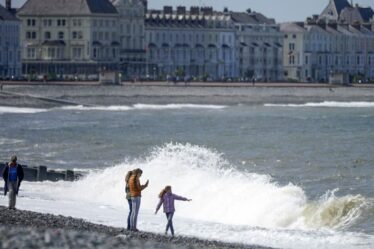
[142,107]
[227,204]
[7,109]
[328,104]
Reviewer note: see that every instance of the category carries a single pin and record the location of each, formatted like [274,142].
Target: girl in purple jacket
[167,199]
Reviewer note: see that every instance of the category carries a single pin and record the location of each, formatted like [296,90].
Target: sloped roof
[291,27]
[366,13]
[5,15]
[67,7]
[251,18]
[351,15]
[341,4]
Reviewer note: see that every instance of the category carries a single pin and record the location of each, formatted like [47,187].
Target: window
[60,35]
[61,22]
[31,53]
[47,35]
[77,53]
[31,22]
[291,46]
[306,60]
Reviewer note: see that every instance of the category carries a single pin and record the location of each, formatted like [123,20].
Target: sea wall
[41,173]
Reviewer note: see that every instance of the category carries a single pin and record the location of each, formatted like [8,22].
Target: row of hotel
[65,39]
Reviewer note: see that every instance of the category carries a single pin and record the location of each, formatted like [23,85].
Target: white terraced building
[339,41]
[132,37]
[259,44]
[10,59]
[196,43]
[69,38]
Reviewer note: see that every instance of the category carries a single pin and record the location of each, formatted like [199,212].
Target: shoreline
[49,96]
[51,231]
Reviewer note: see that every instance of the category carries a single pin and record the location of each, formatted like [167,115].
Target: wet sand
[194,93]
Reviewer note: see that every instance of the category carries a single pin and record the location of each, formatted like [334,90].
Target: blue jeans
[135,205]
[169,225]
[129,216]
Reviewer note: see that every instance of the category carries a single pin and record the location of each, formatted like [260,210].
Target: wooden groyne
[41,173]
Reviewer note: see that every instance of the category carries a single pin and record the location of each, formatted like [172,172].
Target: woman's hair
[166,189]
[128,175]
[137,171]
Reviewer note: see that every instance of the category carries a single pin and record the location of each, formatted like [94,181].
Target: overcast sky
[281,10]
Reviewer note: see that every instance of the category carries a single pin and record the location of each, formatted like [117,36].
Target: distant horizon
[281,11]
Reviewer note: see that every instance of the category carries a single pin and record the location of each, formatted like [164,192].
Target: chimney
[8,4]
[168,10]
[145,4]
[194,10]
[208,11]
[181,10]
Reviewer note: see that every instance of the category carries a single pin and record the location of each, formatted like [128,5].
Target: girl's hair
[166,189]
[128,175]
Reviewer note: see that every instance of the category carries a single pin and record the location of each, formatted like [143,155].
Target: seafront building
[197,43]
[69,39]
[259,46]
[10,59]
[340,41]
[131,23]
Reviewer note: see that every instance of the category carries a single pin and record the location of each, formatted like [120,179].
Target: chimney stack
[8,4]
[168,10]
[194,10]
[181,10]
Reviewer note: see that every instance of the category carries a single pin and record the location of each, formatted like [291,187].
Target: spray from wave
[327,104]
[220,192]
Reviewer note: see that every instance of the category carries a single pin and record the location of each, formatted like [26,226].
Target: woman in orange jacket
[135,192]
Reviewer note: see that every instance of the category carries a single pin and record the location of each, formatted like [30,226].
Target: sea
[276,175]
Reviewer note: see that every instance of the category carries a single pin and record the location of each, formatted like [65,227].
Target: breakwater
[42,173]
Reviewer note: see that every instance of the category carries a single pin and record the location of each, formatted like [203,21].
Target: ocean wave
[142,107]
[24,110]
[220,193]
[327,104]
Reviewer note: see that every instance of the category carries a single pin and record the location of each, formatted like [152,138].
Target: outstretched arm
[180,198]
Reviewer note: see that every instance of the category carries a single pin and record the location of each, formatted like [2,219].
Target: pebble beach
[25,229]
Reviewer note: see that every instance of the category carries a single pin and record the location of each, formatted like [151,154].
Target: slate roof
[254,18]
[67,7]
[5,15]
[366,13]
[341,4]
[291,27]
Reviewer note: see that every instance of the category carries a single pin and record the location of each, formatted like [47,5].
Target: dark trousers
[129,216]
[169,225]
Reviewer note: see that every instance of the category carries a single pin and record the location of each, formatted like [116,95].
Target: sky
[281,10]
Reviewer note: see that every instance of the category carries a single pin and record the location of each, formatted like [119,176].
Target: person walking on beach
[128,197]
[13,176]
[135,192]
[167,199]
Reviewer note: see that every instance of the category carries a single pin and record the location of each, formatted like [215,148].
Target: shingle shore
[25,229]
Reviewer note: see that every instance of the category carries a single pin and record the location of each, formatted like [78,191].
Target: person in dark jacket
[13,176]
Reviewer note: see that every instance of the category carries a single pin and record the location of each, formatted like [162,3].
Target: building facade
[132,37]
[69,39]
[10,57]
[198,43]
[259,47]
[329,45]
